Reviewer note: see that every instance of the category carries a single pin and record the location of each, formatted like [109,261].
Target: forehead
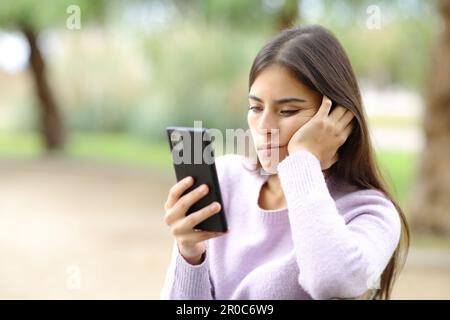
[275,81]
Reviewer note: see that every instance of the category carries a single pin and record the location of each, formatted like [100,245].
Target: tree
[431,200]
[288,14]
[31,18]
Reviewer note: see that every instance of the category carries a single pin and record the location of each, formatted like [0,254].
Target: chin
[269,165]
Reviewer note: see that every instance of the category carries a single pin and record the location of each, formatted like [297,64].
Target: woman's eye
[254,108]
[282,112]
[288,112]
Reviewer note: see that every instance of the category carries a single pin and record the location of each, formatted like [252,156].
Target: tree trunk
[50,119]
[288,14]
[430,204]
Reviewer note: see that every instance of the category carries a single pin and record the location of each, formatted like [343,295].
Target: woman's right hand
[191,242]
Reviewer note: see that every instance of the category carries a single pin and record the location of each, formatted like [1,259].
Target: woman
[320,226]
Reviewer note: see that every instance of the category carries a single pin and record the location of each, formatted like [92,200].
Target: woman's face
[279,105]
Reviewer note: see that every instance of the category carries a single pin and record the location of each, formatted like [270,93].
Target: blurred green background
[134,67]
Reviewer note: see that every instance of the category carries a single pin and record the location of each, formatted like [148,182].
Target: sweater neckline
[268,216]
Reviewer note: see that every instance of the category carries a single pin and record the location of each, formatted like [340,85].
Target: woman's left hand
[324,133]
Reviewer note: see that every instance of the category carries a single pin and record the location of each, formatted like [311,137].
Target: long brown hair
[317,59]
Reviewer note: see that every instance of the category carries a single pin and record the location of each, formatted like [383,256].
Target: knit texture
[332,241]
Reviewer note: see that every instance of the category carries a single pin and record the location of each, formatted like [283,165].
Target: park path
[71,229]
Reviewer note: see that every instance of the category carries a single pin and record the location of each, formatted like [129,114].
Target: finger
[182,205]
[348,129]
[328,164]
[325,107]
[195,218]
[346,119]
[177,190]
[185,202]
[335,158]
[205,235]
[332,161]
[337,113]
[346,133]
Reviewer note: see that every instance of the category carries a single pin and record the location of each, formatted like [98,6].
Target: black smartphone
[193,155]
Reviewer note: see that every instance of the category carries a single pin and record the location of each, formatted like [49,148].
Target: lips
[266,147]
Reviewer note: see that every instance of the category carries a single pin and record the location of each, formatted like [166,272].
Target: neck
[274,184]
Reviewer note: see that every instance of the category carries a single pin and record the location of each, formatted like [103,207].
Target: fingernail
[188,180]
[215,206]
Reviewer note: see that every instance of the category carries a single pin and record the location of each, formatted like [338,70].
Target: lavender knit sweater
[332,240]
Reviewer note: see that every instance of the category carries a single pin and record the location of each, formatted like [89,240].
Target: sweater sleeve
[336,258]
[185,281]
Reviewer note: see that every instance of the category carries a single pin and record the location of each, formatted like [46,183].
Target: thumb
[325,107]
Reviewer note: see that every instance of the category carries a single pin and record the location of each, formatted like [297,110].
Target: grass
[19,145]
[431,241]
[394,122]
[107,147]
[398,167]
[120,148]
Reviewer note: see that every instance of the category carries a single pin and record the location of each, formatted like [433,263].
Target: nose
[267,121]
[267,126]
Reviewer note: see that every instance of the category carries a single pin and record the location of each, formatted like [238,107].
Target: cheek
[252,122]
[249,120]
[251,125]
[291,126]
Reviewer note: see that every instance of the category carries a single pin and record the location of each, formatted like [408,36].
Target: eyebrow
[278,101]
